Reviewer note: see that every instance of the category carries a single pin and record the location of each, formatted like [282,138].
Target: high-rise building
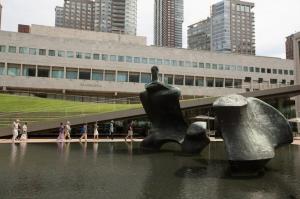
[289,48]
[199,35]
[117,16]
[233,27]
[168,19]
[0,15]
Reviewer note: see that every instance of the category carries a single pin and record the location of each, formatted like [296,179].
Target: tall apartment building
[233,27]
[117,16]
[289,48]
[168,19]
[199,35]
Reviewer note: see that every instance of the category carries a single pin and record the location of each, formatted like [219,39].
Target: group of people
[64,131]
[19,131]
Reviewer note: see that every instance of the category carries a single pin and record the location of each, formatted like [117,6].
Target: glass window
[121,58]
[144,60]
[87,55]
[145,78]
[152,61]
[2,68]
[32,51]
[221,67]
[122,76]
[167,62]
[159,61]
[71,73]
[51,52]
[215,66]
[238,83]
[188,64]
[179,79]
[134,77]
[263,70]
[70,54]
[79,55]
[219,82]
[210,82]
[42,52]
[251,69]
[12,49]
[201,65]
[245,68]
[168,79]
[257,69]
[283,81]
[85,74]
[110,75]
[61,53]
[113,58]
[292,82]
[239,68]
[269,70]
[227,67]
[273,81]
[13,69]
[2,48]
[104,57]
[207,66]
[275,71]
[137,60]
[96,56]
[43,71]
[195,64]
[181,63]
[174,63]
[129,59]
[286,72]
[29,70]
[280,71]
[229,83]
[291,72]
[97,75]
[58,72]
[189,80]
[23,50]
[160,77]
[199,81]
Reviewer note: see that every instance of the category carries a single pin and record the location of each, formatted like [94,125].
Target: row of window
[138,60]
[124,76]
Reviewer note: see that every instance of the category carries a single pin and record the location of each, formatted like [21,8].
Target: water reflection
[23,148]
[95,150]
[13,154]
[84,149]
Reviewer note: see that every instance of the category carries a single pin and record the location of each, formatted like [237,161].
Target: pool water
[120,170]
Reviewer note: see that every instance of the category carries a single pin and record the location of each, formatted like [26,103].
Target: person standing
[24,132]
[15,128]
[111,129]
[130,132]
[84,132]
[68,131]
[61,135]
[96,133]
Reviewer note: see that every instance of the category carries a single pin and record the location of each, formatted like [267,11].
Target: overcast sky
[275,19]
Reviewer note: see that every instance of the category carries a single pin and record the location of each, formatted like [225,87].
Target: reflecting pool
[119,170]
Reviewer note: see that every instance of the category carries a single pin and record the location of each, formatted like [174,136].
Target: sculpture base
[248,167]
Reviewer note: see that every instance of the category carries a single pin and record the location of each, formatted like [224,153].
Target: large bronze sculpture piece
[161,103]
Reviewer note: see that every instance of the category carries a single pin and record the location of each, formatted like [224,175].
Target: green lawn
[33,109]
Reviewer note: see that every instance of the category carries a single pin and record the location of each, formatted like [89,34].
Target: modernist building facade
[117,16]
[168,19]
[60,60]
[289,47]
[199,35]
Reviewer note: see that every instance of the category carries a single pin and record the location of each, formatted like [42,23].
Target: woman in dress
[96,133]
[24,132]
[130,132]
[61,136]
[15,128]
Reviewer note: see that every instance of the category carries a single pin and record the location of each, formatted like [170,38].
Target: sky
[274,19]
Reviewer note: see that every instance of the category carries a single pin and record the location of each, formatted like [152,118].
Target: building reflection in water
[95,150]
[84,148]
[13,154]
[23,148]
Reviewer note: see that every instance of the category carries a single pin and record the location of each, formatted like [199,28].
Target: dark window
[43,72]
[168,79]
[179,79]
[134,77]
[273,81]
[85,74]
[247,79]
[189,81]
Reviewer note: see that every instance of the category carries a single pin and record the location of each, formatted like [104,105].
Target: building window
[43,71]
[257,70]
[283,81]
[181,63]
[188,64]
[273,81]
[245,68]
[71,73]
[122,76]
[292,82]
[113,58]
[239,68]
[29,70]
[269,70]
[291,72]
[32,51]
[215,66]
[159,61]
[12,49]
[275,71]
[121,58]
[58,72]
[23,50]
[179,79]
[2,48]
[79,55]
[152,61]
[96,56]
[238,83]
[168,79]
[207,66]
[263,70]
[104,57]
[189,80]
[87,55]
[145,78]
[210,82]
[251,69]
[84,74]
[195,64]
[229,83]
[221,67]
[227,67]
[137,60]
[174,63]
[129,59]
[199,81]
[167,62]
[286,72]
[70,54]
[97,75]
[51,53]
[280,71]
[13,69]
[144,60]
[110,75]
[134,77]
[201,65]
[2,68]
[61,53]
[42,52]
[219,82]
